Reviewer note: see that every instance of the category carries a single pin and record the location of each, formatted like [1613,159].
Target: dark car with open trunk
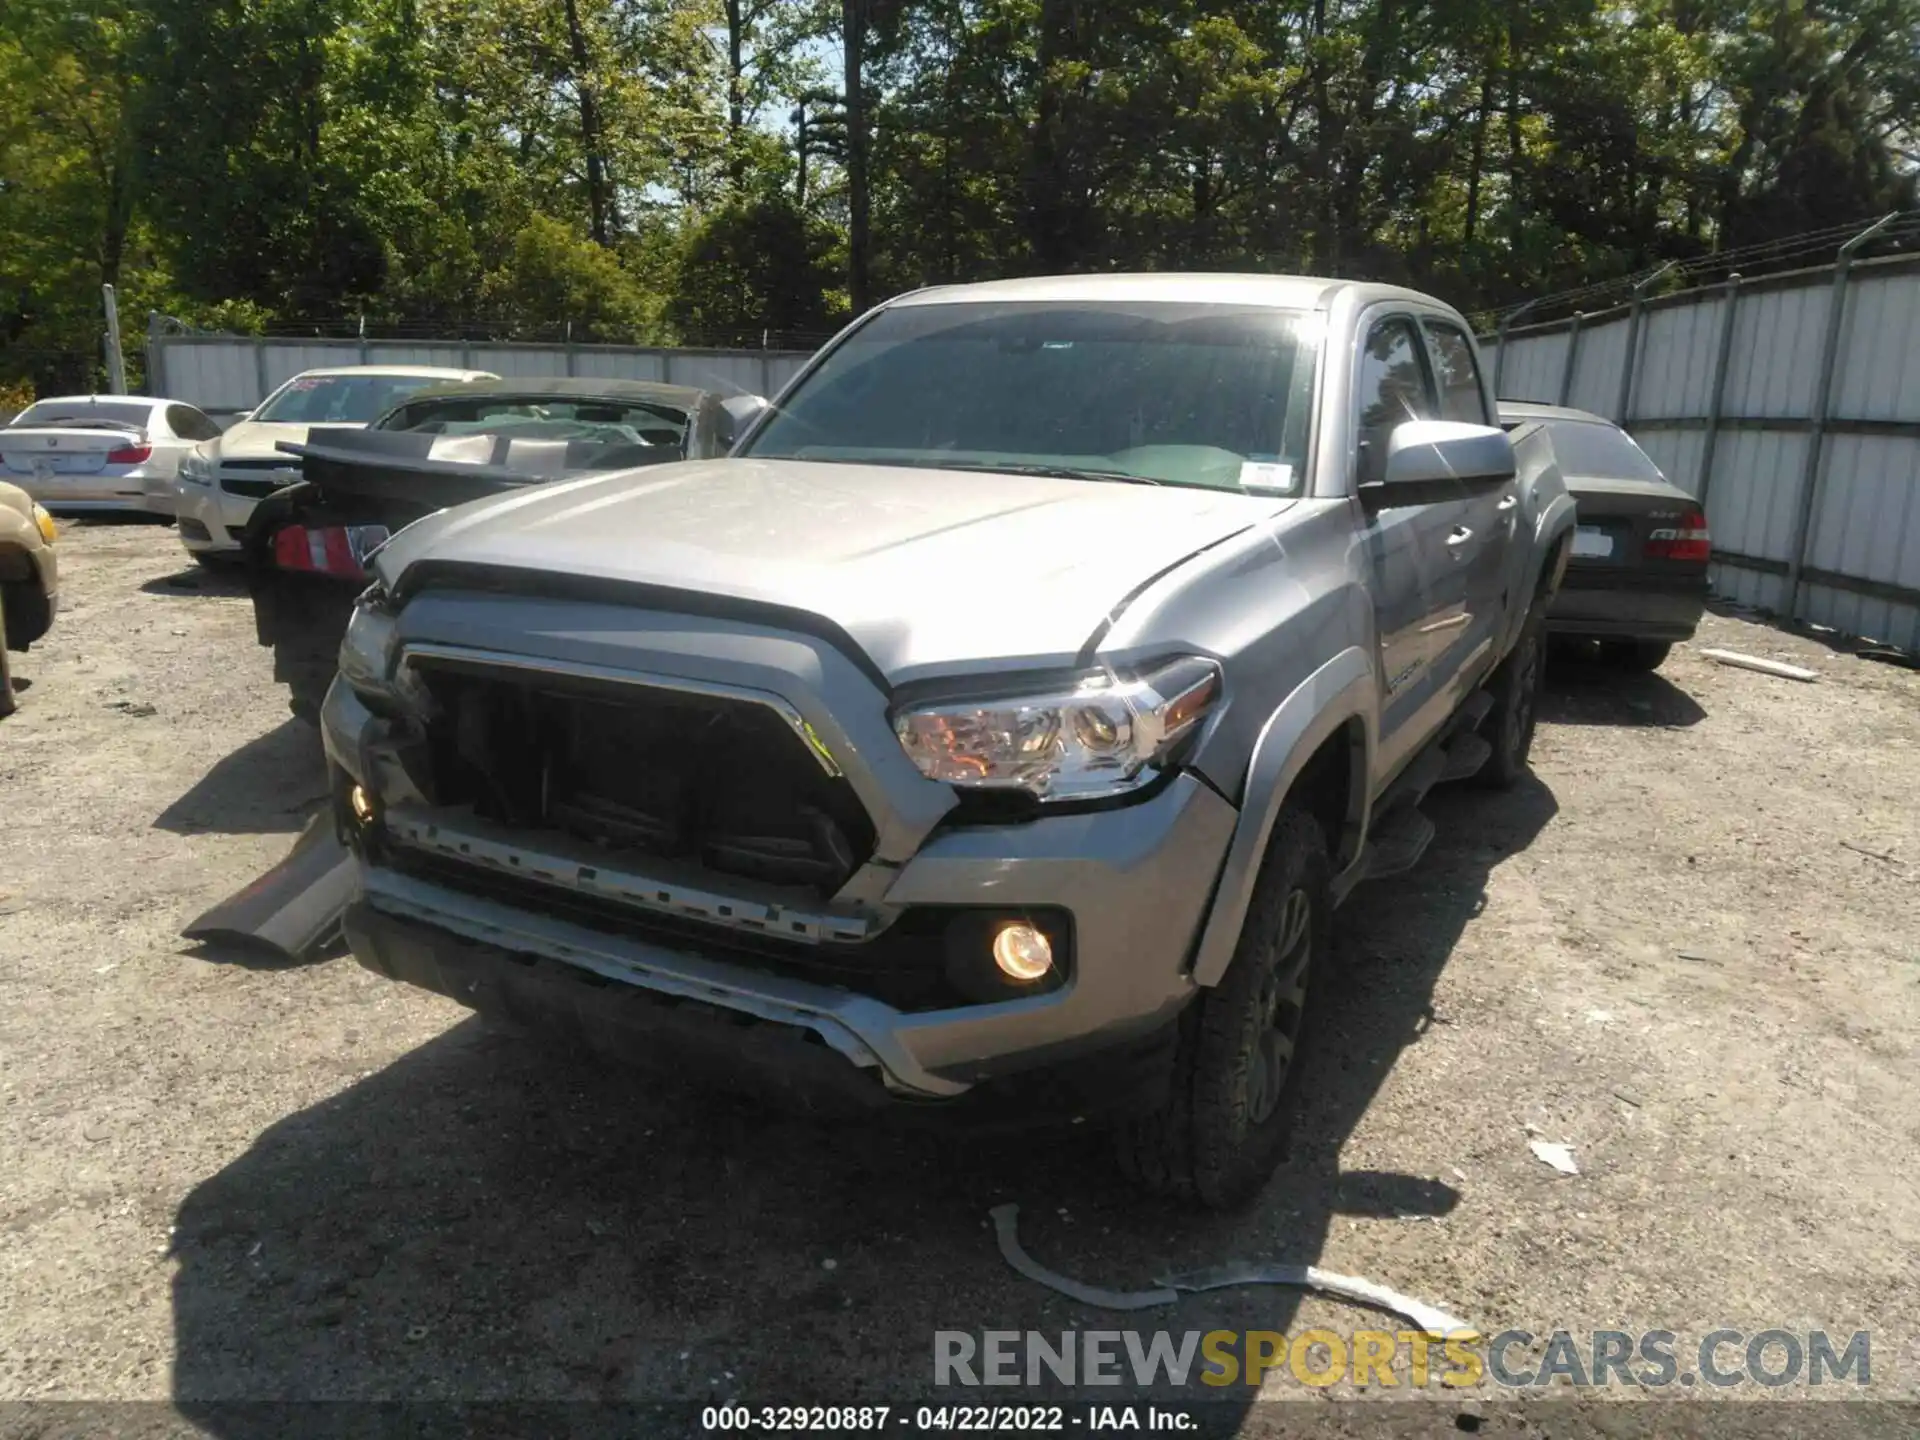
[308,543]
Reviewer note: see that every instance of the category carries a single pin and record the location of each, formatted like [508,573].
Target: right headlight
[366,651]
[1104,736]
[196,469]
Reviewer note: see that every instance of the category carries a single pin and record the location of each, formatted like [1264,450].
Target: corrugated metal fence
[227,374]
[1790,405]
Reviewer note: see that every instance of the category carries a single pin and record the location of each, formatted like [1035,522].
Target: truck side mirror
[1430,459]
[737,414]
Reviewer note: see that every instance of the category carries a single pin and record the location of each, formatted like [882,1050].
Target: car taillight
[129,455]
[1687,541]
[327,549]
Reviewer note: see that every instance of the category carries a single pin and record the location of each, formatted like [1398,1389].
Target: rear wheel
[1516,693]
[1641,655]
[1222,1128]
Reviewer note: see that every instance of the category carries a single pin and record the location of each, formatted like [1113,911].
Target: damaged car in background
[223,478]
[993,733]
[307,544]
[1637,575]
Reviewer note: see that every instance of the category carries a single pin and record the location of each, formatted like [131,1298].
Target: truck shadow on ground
[482,1219]
[1585,690]
[270,784]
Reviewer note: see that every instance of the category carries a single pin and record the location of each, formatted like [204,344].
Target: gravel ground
[233,1182]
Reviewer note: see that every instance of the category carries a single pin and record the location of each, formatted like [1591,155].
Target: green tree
[757,264]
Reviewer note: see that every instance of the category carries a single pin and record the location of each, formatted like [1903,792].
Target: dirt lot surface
[231,1181]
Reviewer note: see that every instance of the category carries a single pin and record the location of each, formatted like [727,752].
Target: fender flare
[1344,689]
[1556,521]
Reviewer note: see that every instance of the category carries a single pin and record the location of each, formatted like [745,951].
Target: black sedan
[307,545]
[1637,579]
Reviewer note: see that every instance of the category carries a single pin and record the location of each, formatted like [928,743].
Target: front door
[1420,591]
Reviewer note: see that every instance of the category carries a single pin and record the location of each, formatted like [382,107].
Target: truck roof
[1285,292]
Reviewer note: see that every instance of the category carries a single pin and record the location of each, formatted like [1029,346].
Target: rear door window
[1461,397]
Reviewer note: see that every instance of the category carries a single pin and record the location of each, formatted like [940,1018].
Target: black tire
[218,561]
[6,665]
[1224,1124]
[1643,656]
[1516,695]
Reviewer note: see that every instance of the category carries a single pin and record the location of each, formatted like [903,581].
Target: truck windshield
[1154,393]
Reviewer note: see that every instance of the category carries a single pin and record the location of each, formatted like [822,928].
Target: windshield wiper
[1058,472]
[989,467]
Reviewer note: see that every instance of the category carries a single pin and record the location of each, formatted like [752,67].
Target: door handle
[1460,535]
[1507,502]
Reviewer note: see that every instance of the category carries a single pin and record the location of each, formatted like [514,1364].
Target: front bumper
[796,1066]
[214,519]
[1632,605]
[1136,881]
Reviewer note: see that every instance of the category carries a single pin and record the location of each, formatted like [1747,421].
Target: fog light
[362,804]
[1022,952]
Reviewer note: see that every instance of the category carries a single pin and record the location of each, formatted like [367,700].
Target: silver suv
[996,729]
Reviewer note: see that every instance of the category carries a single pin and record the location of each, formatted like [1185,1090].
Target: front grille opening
[908,966]
[639,770]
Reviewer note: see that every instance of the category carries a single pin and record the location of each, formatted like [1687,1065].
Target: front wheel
[1516,694]
[1222,1128]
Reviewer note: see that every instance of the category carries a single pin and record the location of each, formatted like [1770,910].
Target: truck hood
[928,571]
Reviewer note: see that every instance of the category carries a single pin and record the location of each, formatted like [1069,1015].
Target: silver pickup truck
[995,731]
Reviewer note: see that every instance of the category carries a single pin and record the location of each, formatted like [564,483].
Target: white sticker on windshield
[1265,475]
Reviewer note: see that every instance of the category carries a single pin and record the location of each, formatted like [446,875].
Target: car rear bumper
[110,490]
[1627,605]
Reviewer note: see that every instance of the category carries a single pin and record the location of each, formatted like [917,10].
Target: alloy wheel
[1280,1007]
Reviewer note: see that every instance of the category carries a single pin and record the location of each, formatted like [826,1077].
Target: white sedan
[224,479]
[80,453]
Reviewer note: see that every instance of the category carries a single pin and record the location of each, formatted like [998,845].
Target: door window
[1394,387]
[1461,397]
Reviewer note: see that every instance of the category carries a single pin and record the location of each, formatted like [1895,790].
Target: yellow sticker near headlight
[48,531]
